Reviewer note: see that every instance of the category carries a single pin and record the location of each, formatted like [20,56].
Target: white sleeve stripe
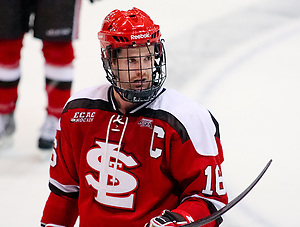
[54,225]
[64,188]
[219,205]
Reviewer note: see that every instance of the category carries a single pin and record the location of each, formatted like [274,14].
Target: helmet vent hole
[155,34]
[116,38]
[120,39]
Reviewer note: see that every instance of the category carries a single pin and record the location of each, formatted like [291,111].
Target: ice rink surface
[240,59]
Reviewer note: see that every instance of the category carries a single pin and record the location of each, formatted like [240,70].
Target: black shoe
[7,127]
[48,131]
[45,144]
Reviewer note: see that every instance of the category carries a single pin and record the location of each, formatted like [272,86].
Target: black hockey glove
[169,219]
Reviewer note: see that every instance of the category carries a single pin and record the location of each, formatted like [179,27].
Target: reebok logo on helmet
[141,36]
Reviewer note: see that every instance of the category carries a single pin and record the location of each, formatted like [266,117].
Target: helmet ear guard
[125,30]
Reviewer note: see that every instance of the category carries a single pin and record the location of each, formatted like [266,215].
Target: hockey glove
[169,219]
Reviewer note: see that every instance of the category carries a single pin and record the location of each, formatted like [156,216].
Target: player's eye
[147,58]
[132,60]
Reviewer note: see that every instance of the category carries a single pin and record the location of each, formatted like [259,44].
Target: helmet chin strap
[137,96]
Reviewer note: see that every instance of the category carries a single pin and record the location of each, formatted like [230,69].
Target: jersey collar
[140,106]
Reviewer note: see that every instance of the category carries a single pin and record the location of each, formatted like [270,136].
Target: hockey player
[132,153]
[56,24]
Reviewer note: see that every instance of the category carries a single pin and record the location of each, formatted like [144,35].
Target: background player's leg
[59,75]
[56,25]
[9,80]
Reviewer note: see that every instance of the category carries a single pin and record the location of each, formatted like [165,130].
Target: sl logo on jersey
[115,186]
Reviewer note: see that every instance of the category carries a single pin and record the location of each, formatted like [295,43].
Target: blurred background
[240,59]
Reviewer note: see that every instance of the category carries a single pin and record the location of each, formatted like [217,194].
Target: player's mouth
[140,84]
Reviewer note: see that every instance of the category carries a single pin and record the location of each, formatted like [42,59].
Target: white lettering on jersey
[160,132]
[146,123]
[220,188]
[83,117]
[53,160]
[119,193]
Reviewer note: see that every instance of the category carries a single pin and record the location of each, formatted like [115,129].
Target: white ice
[240,59]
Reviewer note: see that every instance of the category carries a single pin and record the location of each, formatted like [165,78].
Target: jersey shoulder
[196,119]
[92,93]
[95,97]
[175,102]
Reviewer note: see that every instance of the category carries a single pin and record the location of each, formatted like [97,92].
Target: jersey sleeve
[61,208]
[59,211]
[196,165]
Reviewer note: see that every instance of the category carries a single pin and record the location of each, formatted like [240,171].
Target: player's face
[134,68]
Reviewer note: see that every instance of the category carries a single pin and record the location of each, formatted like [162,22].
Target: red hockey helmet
[124,28]
[132,29]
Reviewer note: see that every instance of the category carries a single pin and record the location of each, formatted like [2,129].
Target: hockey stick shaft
[220,212]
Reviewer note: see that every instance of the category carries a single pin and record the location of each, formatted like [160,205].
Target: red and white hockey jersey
[122,170]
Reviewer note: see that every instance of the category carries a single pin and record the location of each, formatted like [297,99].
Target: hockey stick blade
[233,202]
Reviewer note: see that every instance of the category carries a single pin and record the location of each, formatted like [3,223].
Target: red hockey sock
[59,74]
[58,94]
[10,52]
[9,74]
[58,53]
[8,98]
